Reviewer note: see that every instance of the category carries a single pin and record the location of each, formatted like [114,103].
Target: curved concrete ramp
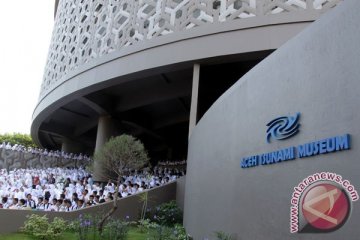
[317,73]
[12,220]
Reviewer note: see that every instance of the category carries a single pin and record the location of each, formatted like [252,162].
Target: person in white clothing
[46,206]
[4,203]
[30,203]
[40,203]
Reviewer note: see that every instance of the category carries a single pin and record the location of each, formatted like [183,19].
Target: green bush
[58,226]
[168,214]
[116,230]
[41,228]
[86,228]
[180,233]
[161,233]
[169,233]
[145,225]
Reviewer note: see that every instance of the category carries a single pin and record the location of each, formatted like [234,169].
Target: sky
[25,34]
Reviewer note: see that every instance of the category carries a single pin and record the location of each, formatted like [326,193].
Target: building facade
[168,72]
[276,156]
[130,65]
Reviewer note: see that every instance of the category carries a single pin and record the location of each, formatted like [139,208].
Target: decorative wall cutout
[85,30]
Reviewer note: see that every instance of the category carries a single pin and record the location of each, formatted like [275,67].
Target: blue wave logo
[283,127]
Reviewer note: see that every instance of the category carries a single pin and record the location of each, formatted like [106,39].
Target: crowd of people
[44,152]
[63,190]
[172,163]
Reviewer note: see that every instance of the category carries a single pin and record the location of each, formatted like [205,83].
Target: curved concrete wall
[12,220]
[316,73]
[10,159]
[95,42]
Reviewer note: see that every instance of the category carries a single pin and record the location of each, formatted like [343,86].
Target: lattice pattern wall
[88,29]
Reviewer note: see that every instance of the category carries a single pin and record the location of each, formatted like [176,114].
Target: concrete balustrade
[13,220]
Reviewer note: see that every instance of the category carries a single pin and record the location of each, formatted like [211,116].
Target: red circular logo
[325,206]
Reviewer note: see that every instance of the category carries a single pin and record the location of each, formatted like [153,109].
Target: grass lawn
[134,234]
[21,236]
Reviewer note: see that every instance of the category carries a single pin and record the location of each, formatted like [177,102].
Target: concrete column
[194,98]
[104,132]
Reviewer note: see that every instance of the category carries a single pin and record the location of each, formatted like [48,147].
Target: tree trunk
[112,210]
[144,207]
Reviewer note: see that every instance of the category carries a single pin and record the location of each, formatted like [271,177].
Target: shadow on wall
[12,220]
[10,159]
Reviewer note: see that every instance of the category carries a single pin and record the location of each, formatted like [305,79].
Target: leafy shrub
[180,233]
[116,230]
[145,225]
[41,228]
[86,228]
[169,233]
[161,233]
[58,226]
[168,214]
[35,225]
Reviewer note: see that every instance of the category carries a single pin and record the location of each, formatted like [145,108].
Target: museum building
[253,93]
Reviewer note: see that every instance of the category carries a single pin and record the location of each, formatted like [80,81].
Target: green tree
[118,155]
[17,138]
